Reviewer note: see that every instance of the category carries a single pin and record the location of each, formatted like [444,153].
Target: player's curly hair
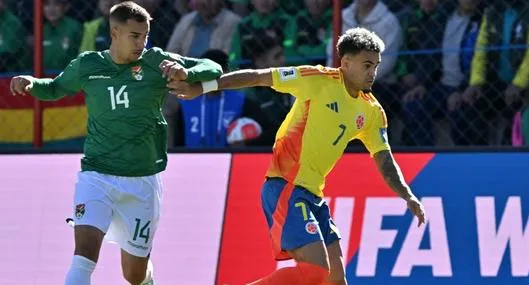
[129,10]
[356,40]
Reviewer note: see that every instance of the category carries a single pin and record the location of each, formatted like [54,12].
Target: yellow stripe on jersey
[322,121]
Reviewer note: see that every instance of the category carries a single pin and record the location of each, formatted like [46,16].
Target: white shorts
[127,209]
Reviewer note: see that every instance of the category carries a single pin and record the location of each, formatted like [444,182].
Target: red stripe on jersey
[287,150]
[279,218]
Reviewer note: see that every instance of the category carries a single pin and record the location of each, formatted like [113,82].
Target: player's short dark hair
[129,10]
[218,56]
[356,40]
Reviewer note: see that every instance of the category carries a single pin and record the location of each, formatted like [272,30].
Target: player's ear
[114,31]
[345,61]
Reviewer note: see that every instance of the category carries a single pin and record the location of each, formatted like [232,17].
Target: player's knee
[87,249]
[134,276]
[88,242]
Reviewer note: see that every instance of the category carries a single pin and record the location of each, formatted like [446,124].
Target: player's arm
[375,139]
[233,80]
[47,89]
[188,69]
[392,174]
[283,79]
[199,70]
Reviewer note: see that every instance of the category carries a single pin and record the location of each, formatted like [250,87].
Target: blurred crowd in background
[454,72]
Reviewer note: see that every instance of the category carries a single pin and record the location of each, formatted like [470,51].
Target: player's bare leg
[337,276]
[88,242]
[136,270]
[312,267]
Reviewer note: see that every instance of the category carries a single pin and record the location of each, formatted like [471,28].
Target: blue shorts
[295,217]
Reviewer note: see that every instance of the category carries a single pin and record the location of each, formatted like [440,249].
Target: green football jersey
[127,133]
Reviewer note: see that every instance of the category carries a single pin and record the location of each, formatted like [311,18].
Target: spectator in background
[498,79]
[62,35]
[375,16]
[461,32]
[96,34]
[291,7]
[210,26]
[266,19]
[313,31]
[268,52]
[164,19]
[82,10]
[203,122]
[12,40]
[420,72]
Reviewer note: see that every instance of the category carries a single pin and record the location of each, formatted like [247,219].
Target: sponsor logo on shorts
[311,228]
[137,245]
[79,210]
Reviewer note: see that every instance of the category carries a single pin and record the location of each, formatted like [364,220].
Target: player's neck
[114,54]
[351,89]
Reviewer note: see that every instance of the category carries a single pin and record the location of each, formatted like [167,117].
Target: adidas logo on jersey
[333,106]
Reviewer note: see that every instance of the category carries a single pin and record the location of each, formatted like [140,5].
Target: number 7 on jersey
[120,98]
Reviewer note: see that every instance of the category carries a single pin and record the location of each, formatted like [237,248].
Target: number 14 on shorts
[142,230]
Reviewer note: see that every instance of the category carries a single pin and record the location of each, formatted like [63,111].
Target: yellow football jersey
[323,119]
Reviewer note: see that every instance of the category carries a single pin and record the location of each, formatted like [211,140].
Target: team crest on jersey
[311,228]
[79,210]
[360,120]
[137,72]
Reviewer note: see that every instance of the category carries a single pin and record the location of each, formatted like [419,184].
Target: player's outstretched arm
[47,89]
[392,174]
[199,70]
[232,80]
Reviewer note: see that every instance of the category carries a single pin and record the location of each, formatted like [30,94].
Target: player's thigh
[302,236]
[92,213]
[336,262]
[134,267]
[314,253]
[88,240]
[136,214]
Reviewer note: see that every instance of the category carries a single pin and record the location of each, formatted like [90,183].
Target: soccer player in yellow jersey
[332,107]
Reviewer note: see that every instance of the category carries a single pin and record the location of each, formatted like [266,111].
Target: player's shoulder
[88,58]
[320,72]
[156,55]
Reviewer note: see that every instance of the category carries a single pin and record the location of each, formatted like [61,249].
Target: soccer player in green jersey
[118,190]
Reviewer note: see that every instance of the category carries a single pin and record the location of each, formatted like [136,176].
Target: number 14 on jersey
[119,98]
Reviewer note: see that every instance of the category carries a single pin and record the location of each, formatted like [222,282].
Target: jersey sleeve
[198,70]
[299,80]
[375,137]
[66,83]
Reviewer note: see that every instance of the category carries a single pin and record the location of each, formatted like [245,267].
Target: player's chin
[368,84]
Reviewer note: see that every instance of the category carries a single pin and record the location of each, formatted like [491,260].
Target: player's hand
[21,85]
[454,101]
[184,90]
[472,93]
[172,70]
[417,209]
[512,93]
[417,93]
